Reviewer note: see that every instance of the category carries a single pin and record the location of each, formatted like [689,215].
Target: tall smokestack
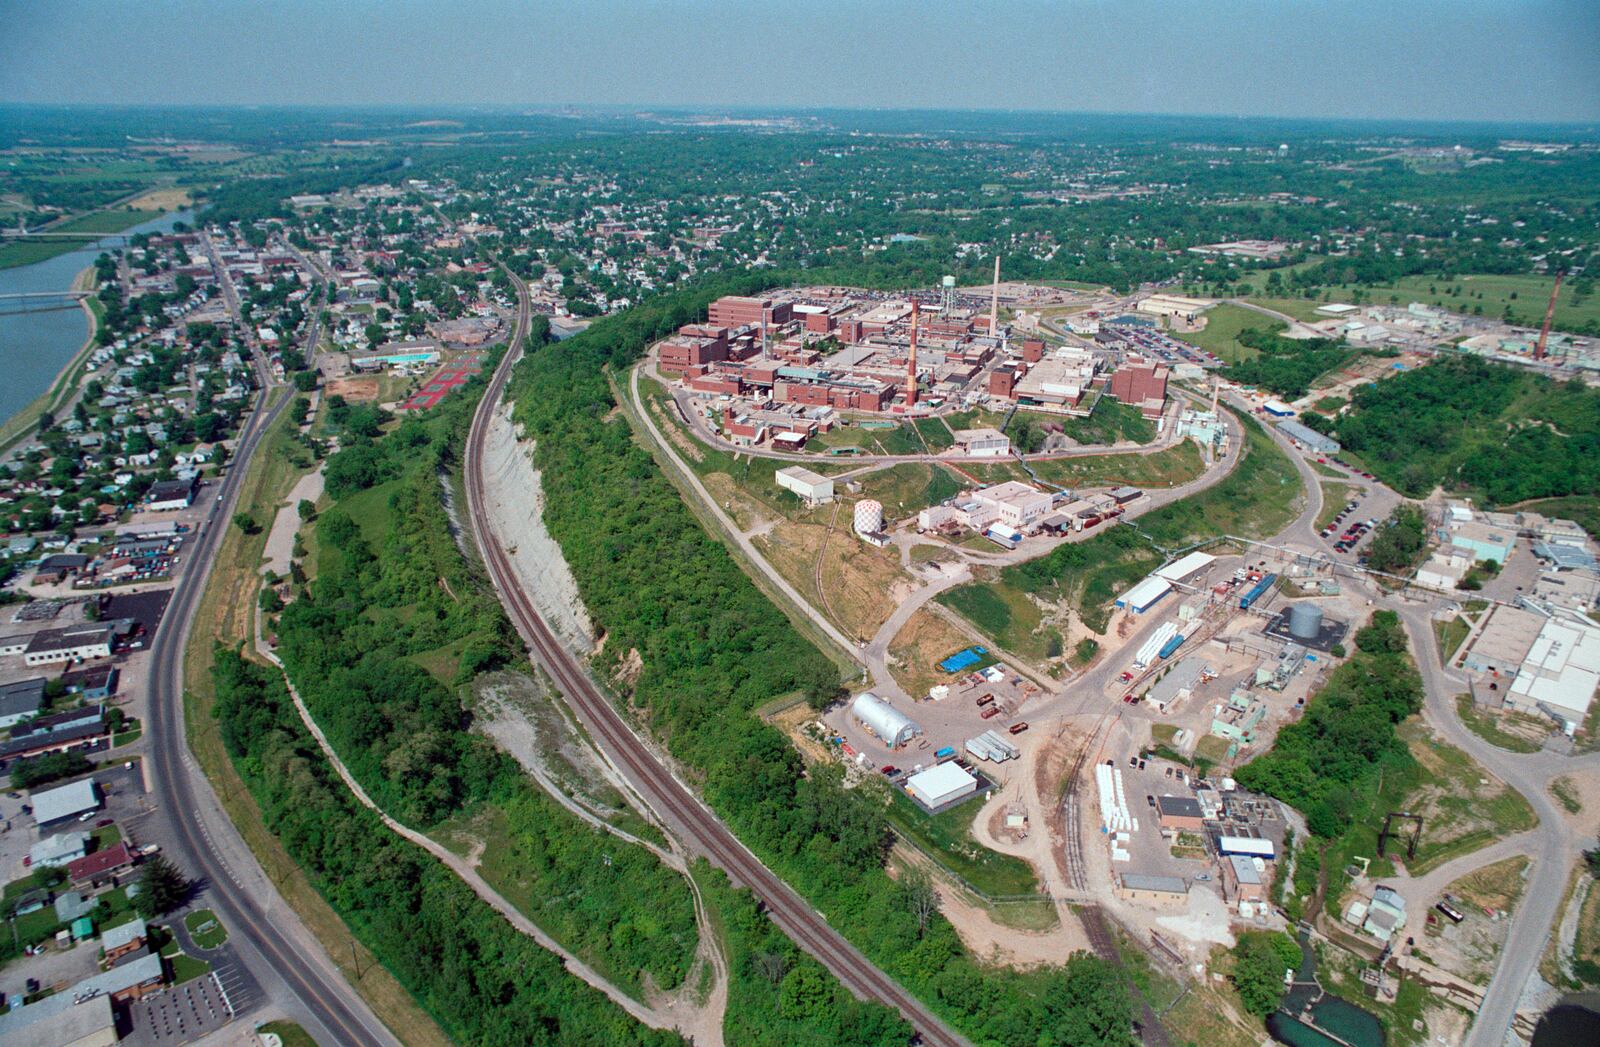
[911,363]
[994,301]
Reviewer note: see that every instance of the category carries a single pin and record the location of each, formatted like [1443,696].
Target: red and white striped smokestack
[911,364]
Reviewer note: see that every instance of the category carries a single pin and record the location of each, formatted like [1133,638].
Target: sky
[1521,60]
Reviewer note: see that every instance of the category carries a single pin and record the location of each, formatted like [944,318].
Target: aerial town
[626,575]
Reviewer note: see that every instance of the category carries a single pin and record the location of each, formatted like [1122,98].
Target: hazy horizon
[1535,61]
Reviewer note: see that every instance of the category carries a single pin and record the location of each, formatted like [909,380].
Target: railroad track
[668,797]
[1092,916]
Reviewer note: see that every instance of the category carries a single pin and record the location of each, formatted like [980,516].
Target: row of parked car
[1352,534]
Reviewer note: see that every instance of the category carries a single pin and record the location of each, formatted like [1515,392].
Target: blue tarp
[957,662]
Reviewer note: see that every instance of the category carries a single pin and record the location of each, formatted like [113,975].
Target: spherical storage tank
[891,726]
[1305,621]
[869,516]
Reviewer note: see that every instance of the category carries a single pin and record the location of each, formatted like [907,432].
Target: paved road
[195,831]
[668,797]
[1552,846]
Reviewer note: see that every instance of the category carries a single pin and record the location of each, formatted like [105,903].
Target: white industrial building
[70,644]
[1184,568]
[1561,671]
[813,488]
[1173,305]
[983,443]
[940,784]
[888,724]
[1143,596]
[57,805]
[1013,503]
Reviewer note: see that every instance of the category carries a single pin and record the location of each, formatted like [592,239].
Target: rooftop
[54,804]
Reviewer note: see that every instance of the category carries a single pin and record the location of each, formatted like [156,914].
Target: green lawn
[1302,309]
[948,838]
[1334,498]
[186,968]
[205,929]
[1221,334]
[1450,635]
[1485,726]
[1003,613]
[290,1033]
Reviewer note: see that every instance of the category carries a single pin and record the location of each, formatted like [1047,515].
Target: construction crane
[1550,311]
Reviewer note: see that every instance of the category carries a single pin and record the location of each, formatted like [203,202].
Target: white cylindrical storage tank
[1305,621]
[949,281]
[869,516]
[891,726]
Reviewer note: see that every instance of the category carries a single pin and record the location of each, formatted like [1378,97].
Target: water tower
[947,294]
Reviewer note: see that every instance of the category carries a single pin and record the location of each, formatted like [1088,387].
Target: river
[37,345]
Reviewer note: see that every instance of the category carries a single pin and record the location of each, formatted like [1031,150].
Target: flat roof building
[983,443]
[941,784]
[1157,890]
[1307,436]
[1180,813]
[19,700]
[813,488]
[54,806]
[1561,671]
[70,643]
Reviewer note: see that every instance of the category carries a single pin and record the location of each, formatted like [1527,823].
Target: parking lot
[183,1013]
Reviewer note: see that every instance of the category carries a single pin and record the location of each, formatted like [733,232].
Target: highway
[669,798]
[189,820]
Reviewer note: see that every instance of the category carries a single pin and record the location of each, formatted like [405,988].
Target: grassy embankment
[225,616]
[1256,500]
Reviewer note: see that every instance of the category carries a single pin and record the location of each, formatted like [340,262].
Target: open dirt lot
[361,388]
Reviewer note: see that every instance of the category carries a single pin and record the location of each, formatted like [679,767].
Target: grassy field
[918,648]
[947,838]
[290,1034]
[1170,468]
[1462,808]
[1496,886]
[1526,733]
[1302,309]
[26,252]
[1532,295]
[1450,635]
[1008,616]
[1334,498]
[1221,334]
